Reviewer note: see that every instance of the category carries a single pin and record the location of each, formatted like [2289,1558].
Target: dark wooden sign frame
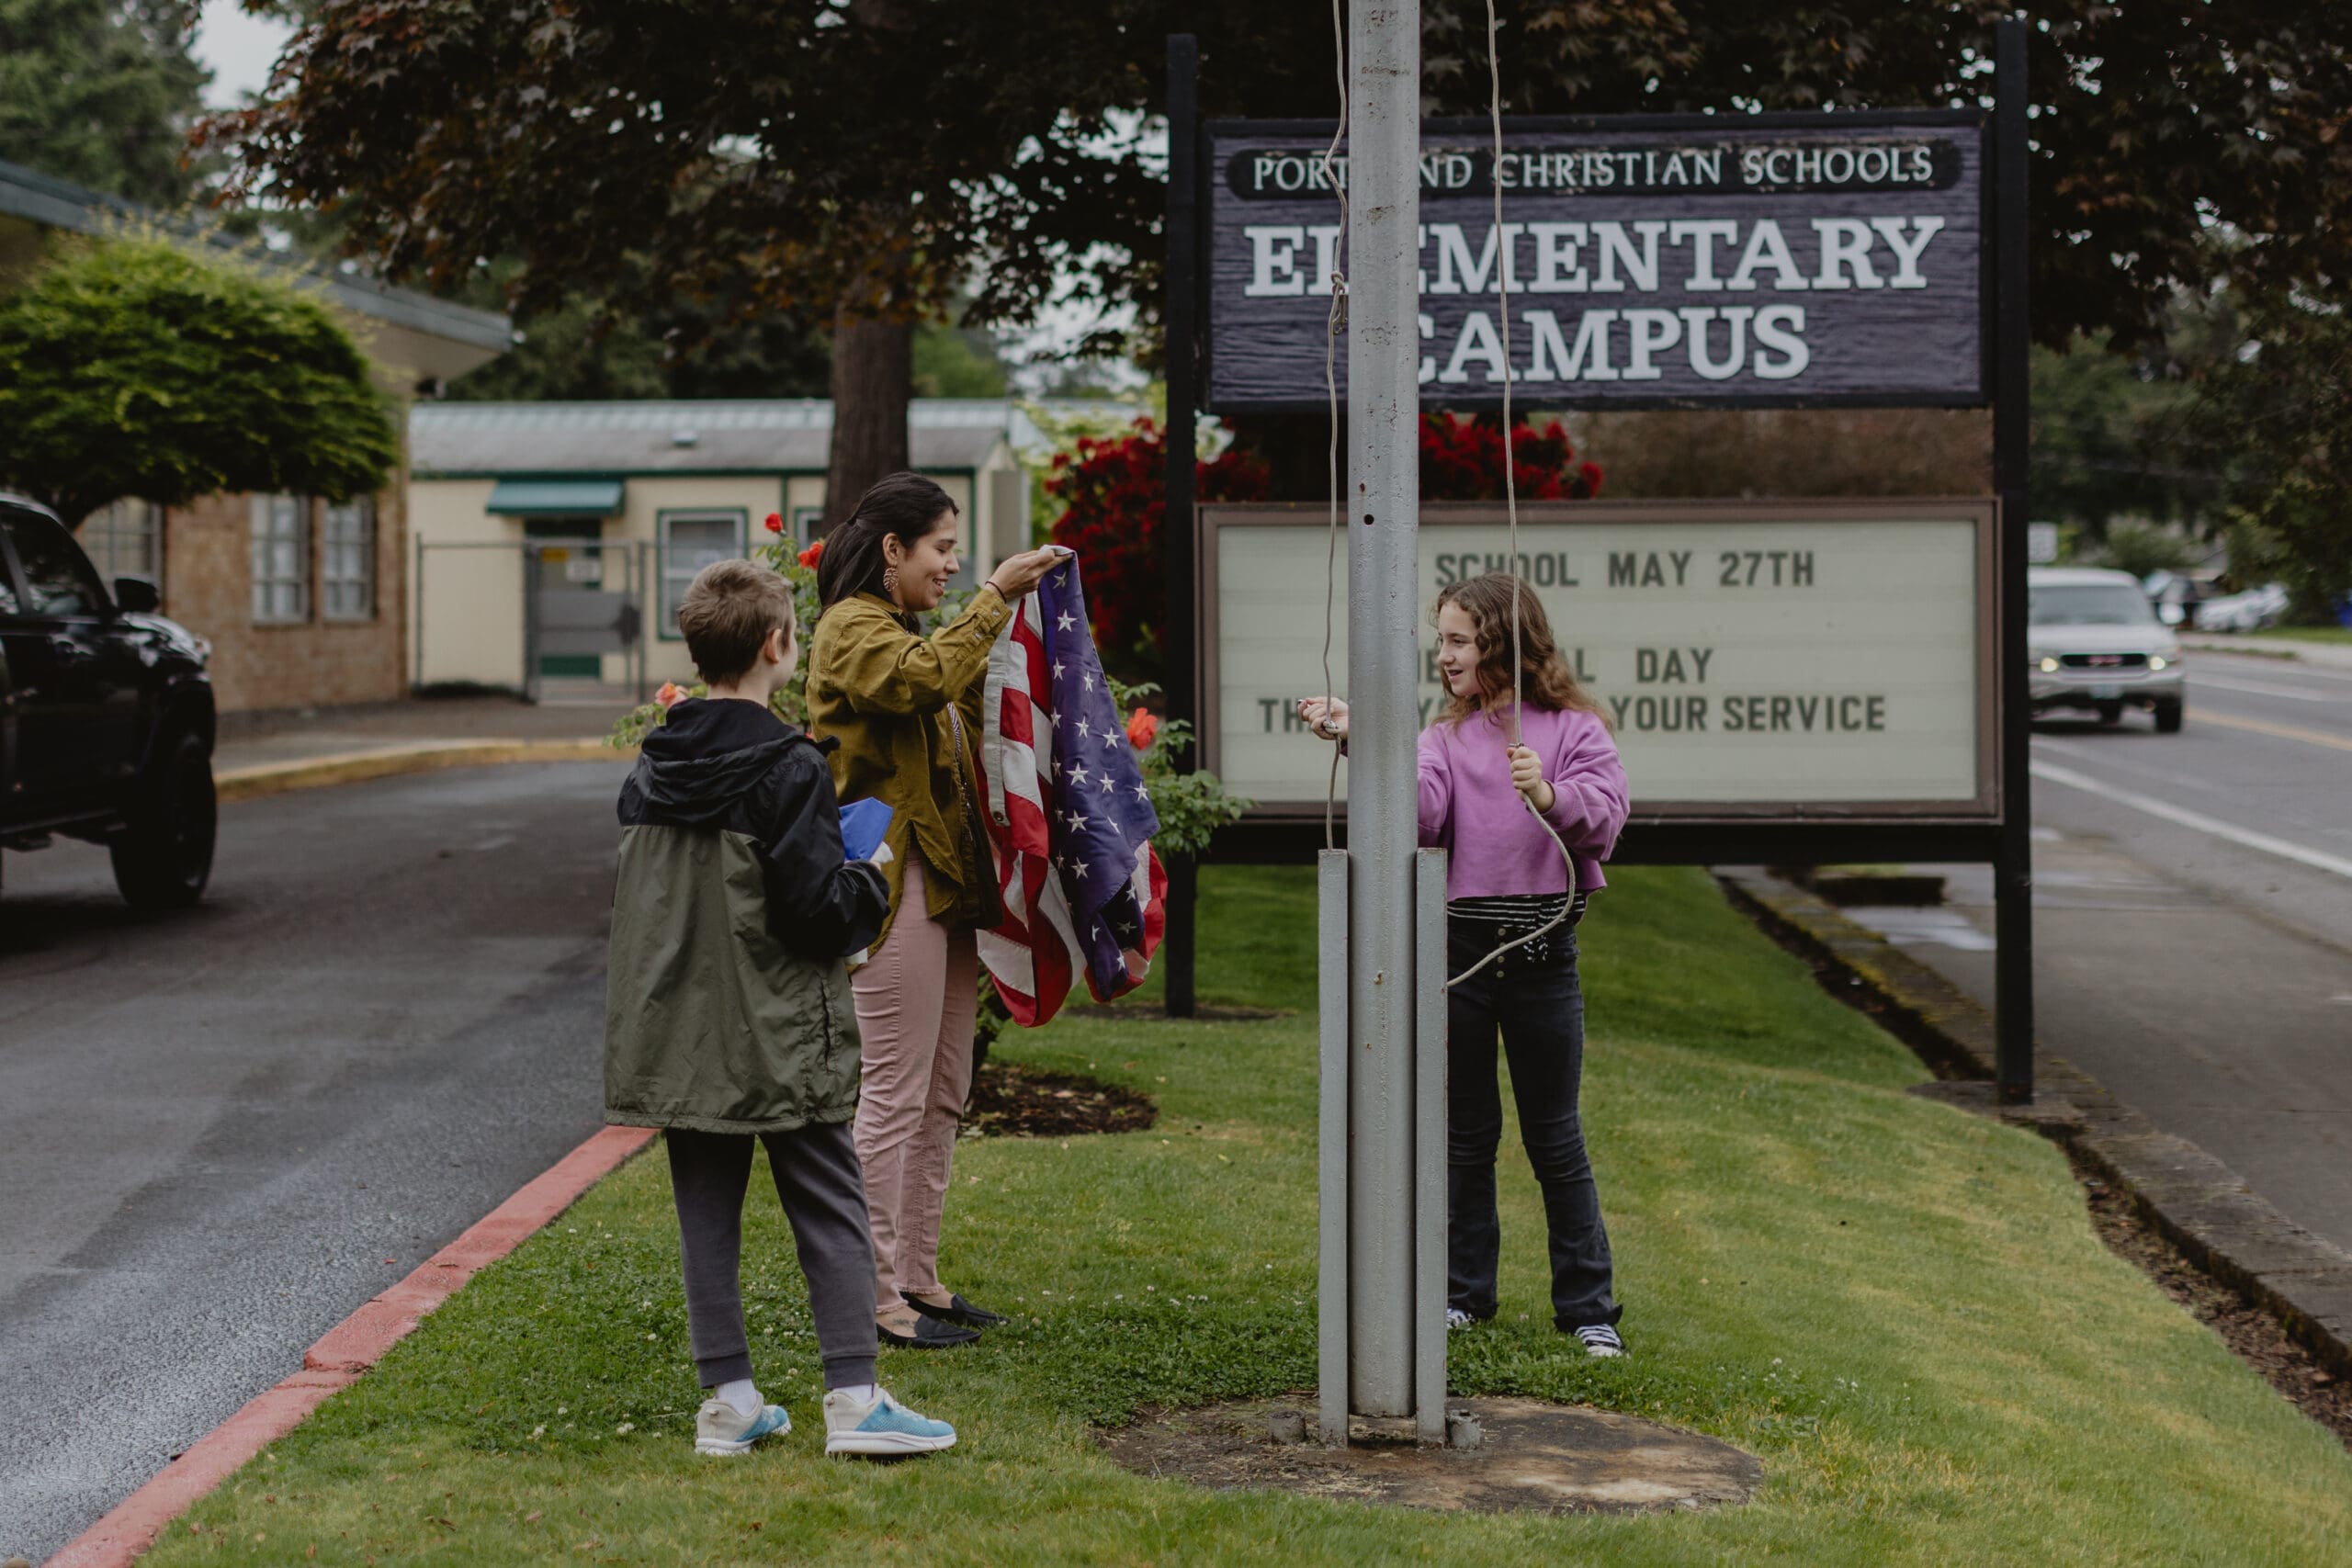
[2003,838]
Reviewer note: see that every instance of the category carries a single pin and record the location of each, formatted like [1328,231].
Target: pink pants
[916,998]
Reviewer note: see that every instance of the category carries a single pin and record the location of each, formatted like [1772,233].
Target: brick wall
[208,588]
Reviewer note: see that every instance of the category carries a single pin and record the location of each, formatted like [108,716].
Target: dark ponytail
[904,506]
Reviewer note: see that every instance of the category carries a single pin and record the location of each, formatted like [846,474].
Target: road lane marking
[2272,728]
[2318,860]
[2259,689]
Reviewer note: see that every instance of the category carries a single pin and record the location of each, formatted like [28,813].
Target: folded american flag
[1068,812]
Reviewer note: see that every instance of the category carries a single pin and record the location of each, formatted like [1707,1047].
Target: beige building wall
[470,601]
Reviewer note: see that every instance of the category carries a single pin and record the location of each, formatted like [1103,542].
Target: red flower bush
[812,554]
[776,522]
[1143,728]
[1462,460]
[1114,505]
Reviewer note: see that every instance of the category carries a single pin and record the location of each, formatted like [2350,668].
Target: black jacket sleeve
[819,904]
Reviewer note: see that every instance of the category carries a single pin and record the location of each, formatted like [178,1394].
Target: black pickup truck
[106,715]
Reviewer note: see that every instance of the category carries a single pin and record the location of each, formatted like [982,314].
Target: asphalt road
[220,1132]
[2193,922]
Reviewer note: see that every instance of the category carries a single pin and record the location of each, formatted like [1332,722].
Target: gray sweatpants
[824,1199]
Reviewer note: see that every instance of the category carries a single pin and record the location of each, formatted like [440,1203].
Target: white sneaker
[1456,1318]
[1599,1341]
[721,1430]
[881,1426]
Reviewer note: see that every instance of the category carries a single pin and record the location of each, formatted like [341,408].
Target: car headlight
[2157,661]
[2049,664]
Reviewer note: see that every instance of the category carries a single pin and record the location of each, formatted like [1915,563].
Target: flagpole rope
[1511,487]
[1335,325]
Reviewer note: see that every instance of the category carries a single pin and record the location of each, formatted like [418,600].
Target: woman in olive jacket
[903,712]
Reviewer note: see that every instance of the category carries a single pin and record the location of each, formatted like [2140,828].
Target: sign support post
[1177,522]
[2013,862]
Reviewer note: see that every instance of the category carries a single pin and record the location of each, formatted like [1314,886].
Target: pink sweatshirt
[1469,808]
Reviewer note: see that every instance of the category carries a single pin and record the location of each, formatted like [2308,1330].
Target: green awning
[556,498]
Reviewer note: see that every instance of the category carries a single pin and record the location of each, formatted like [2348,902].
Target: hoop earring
[890,581]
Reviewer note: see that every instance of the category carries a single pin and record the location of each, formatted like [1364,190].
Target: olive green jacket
[895,706]
[727,1006]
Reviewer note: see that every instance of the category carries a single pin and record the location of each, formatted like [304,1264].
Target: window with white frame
[347,560]
[281,534]
[690,541]
[124,539]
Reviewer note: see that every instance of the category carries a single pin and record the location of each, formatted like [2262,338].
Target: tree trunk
[873,378]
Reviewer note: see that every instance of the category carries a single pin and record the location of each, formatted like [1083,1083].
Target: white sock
[741,1394]
[859,1392]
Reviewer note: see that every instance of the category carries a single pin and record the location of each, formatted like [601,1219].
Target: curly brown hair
[1549,683]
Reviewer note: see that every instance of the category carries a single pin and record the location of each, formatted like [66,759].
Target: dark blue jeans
[1538,1010]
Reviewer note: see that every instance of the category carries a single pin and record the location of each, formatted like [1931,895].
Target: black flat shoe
[929,1335]
[957,1309]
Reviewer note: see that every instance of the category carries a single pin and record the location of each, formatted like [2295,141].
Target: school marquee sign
[1689,259]
[1820,659]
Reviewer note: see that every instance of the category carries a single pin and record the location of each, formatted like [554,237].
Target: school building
[553,541]
[306,603]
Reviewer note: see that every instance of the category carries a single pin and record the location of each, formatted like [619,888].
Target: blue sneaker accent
[885,1426]
[721,1430]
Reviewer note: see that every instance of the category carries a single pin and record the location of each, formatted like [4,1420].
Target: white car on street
[2096,644]
[2247,611]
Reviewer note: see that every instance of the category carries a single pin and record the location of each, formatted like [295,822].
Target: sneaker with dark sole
[930,1334]
[881,1427]
[722,1431]
[1600,1340]
[958,1311]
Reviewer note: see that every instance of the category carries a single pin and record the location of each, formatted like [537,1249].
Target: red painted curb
[343,1353]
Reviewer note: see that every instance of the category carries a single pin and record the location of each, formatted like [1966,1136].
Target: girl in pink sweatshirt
[1505,878]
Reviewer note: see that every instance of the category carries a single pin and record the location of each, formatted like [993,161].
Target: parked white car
[2247,611]
[2096,644]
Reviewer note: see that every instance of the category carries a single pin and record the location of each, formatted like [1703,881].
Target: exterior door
[563,567]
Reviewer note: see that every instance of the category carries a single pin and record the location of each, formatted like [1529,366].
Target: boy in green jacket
[727,1013]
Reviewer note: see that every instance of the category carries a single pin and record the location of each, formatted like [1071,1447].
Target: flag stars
[1109,784]
[1142,794]
[1077,774]
[1058,668]
[1085,730]
[1065,622]
[1110,737]
[1088,679]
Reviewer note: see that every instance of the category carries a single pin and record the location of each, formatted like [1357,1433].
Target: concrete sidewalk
[267,753]
[2320,655]
[305,735]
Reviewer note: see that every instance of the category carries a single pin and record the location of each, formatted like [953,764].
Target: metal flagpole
[1384,471]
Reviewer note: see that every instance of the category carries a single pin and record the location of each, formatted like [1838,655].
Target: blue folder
[863,824]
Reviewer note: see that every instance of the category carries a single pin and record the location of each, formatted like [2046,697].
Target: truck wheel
[2168,714]
[164,858]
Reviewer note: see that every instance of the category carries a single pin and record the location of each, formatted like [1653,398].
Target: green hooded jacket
[727,1006]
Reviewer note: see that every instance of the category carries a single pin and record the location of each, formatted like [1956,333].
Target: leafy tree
[2282,411]
[130,366]
[2110,437]
[100,92]
[861,161]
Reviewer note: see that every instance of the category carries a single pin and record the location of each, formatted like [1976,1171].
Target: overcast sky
[239,49]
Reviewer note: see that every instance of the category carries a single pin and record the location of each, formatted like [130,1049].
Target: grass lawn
[1901,1308]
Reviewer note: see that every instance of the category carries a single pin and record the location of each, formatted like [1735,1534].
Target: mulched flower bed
[1013,1101]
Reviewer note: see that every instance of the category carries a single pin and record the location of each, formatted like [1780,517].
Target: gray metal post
[1383,515]
[1331,1145]
[1428,1146]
